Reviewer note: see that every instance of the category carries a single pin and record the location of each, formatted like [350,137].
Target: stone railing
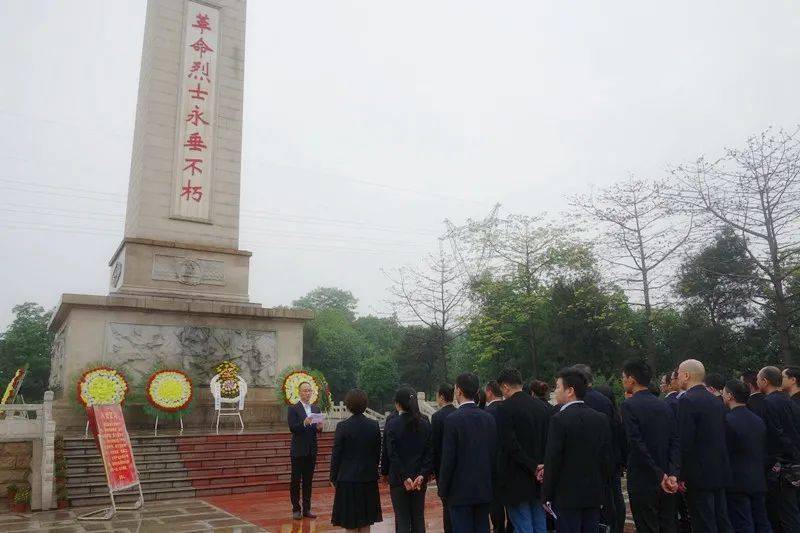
[41,432]
[339,412]
[425,407]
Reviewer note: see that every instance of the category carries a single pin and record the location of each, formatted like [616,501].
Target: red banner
[111,436]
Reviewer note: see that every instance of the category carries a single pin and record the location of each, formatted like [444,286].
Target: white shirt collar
[490,403]
[568,404]
[670,393]
[465,403]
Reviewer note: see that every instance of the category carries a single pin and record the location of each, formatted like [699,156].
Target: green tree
[418,359]
[329,298]
[384,335]
[27,341]
[720,279]
[334,347]
[378,377]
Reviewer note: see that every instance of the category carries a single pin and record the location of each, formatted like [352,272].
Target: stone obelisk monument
[178,282]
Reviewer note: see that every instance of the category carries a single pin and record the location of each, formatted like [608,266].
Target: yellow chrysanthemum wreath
[169,393]
[101,385]
[289,389]
[13,385]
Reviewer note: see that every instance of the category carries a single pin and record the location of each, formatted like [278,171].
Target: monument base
[137,333]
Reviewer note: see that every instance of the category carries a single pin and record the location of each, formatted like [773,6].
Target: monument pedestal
[135,333]
[178,291]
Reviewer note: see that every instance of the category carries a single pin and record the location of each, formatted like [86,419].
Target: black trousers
[783,507]
[577,520]
[748,512]
[617,515]
[409,509]
[654,512]
[709,511]
[470,518]
[448,526]
[302,471]
[499,519]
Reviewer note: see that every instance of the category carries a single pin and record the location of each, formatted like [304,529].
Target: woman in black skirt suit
[354,467]
[408,439]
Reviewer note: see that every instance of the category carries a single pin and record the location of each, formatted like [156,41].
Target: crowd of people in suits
[698,453]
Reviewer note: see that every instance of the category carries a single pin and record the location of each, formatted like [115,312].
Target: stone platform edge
[180,305]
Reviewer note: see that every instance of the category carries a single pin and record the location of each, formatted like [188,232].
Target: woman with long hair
[354,468]
[408,440]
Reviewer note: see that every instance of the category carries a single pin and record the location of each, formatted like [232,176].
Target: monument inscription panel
[197,117]
[195,349]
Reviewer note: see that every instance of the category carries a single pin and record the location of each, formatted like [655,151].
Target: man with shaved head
[704,457]
[782,417]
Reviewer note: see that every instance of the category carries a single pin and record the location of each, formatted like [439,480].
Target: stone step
[184,492]
[153,468]
[99,476]
[81,443]
[193,481]
[242,453]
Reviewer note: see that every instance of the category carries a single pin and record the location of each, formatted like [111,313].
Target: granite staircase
[192,466]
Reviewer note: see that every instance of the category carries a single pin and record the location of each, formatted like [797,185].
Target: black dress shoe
[297,515]
[309,514]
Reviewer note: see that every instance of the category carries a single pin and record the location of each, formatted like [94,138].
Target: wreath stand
[155,429]
[17,399]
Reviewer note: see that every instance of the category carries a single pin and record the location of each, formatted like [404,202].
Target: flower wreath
[13,386]
[228,373]
[289,390]
[169,393]
[101,384]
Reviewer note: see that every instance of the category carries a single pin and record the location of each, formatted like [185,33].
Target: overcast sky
[368,123]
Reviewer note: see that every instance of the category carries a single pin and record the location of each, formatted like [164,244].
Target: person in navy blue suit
[408,443]
[782,417]
[670,390]
[303,451]
[756,400]
[704,458]
[614,506]
[469,451]
[791,383]
[578,459]
[445,401]
[654,453]
[746,436]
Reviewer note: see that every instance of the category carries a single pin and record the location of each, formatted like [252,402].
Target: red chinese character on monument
[202,23]
[200,71]
[195,116]
[200,46]
[198,93]
[192,192]
[193,165]
[195,143]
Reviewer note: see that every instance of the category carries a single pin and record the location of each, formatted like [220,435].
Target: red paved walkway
[273,511]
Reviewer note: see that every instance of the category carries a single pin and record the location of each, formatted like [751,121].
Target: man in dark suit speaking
[303,451]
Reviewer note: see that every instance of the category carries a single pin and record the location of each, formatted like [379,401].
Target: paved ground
[156,517]
[240,513]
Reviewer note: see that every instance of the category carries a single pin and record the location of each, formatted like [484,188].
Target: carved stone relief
[188,271]
[57,360]
[195,349]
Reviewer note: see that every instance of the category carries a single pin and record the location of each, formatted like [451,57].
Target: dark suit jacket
[384,448]
[704,454]
[796,397]
[437,430]
[410,450]
[600,403]
[356,450]
[578,461]
[756,403]
[469,451]
[654,448]
[523,436]
[747,449]
[671,400]
[782,417]
[304,438]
